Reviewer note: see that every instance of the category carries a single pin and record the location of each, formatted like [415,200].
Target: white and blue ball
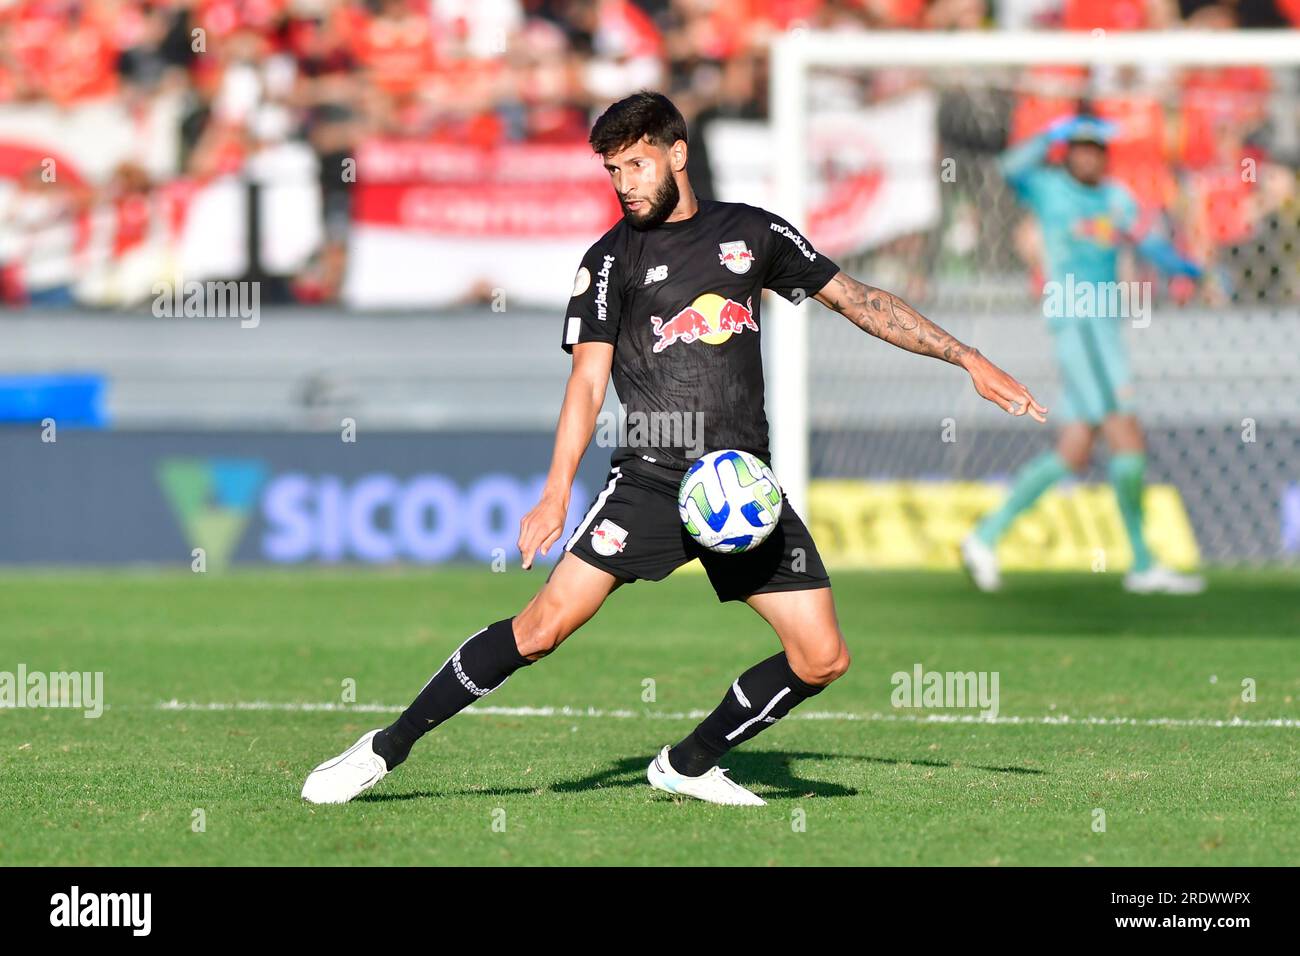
[729,501]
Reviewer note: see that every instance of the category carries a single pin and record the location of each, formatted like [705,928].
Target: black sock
[757,699]
[474,670]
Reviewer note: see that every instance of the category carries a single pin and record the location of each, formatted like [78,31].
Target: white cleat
[981,563]
[1158,579]
[713,787]
[341,778]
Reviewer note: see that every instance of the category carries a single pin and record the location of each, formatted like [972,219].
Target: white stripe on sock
[450,656]
[762,715]
[740,695]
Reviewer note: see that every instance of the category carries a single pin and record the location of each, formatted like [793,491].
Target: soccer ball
[729,501]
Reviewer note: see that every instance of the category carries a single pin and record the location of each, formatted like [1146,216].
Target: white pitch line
[1047,720]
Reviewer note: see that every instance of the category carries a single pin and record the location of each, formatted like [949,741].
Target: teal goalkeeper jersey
[1083,226]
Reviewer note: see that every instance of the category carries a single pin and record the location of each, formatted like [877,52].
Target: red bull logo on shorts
[608,539]
[710,318]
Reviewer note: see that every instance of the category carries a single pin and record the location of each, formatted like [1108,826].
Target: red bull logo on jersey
[711,318]
[735,256]
[1100,229]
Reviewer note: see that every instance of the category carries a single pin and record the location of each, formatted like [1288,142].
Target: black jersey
[680,305]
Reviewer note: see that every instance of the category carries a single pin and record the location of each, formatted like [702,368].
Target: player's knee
[1075,446]
[539,630]
[840,665]
[1076,461]
[824,668]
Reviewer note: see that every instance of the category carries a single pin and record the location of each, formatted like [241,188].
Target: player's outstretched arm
[888,317]
[583,396]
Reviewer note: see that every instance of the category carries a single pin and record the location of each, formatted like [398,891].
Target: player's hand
[541,527]
[1217,288]
[1059,130]
[1002,390]
[1065,127]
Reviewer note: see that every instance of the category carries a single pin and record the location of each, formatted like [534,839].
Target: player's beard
[661,205]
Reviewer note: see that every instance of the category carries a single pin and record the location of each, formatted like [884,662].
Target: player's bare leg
[1075,445]
[978,550]
[809,631]
[1127,474]
[571,595]
[814,655]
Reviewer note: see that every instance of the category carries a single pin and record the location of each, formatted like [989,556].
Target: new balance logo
[657,274]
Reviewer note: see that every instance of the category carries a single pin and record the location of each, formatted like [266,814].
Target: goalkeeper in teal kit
[1084,219]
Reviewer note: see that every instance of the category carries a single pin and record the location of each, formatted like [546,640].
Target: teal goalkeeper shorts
[1095,377]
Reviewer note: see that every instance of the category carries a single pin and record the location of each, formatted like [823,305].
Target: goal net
[887,152]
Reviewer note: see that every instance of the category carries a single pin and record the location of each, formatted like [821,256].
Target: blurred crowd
[251,74]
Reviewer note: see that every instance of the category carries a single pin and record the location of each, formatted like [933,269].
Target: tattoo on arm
[888,317]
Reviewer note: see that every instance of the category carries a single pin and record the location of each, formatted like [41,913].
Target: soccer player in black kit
[668,302]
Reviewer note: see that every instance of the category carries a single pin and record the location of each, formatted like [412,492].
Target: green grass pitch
[517,787]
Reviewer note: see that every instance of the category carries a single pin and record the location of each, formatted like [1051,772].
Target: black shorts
[634,531]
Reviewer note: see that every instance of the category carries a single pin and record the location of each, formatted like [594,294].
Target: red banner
[522,190]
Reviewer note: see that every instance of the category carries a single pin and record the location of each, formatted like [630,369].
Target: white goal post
[798,53]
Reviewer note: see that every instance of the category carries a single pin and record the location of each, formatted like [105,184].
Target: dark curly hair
[644,114]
